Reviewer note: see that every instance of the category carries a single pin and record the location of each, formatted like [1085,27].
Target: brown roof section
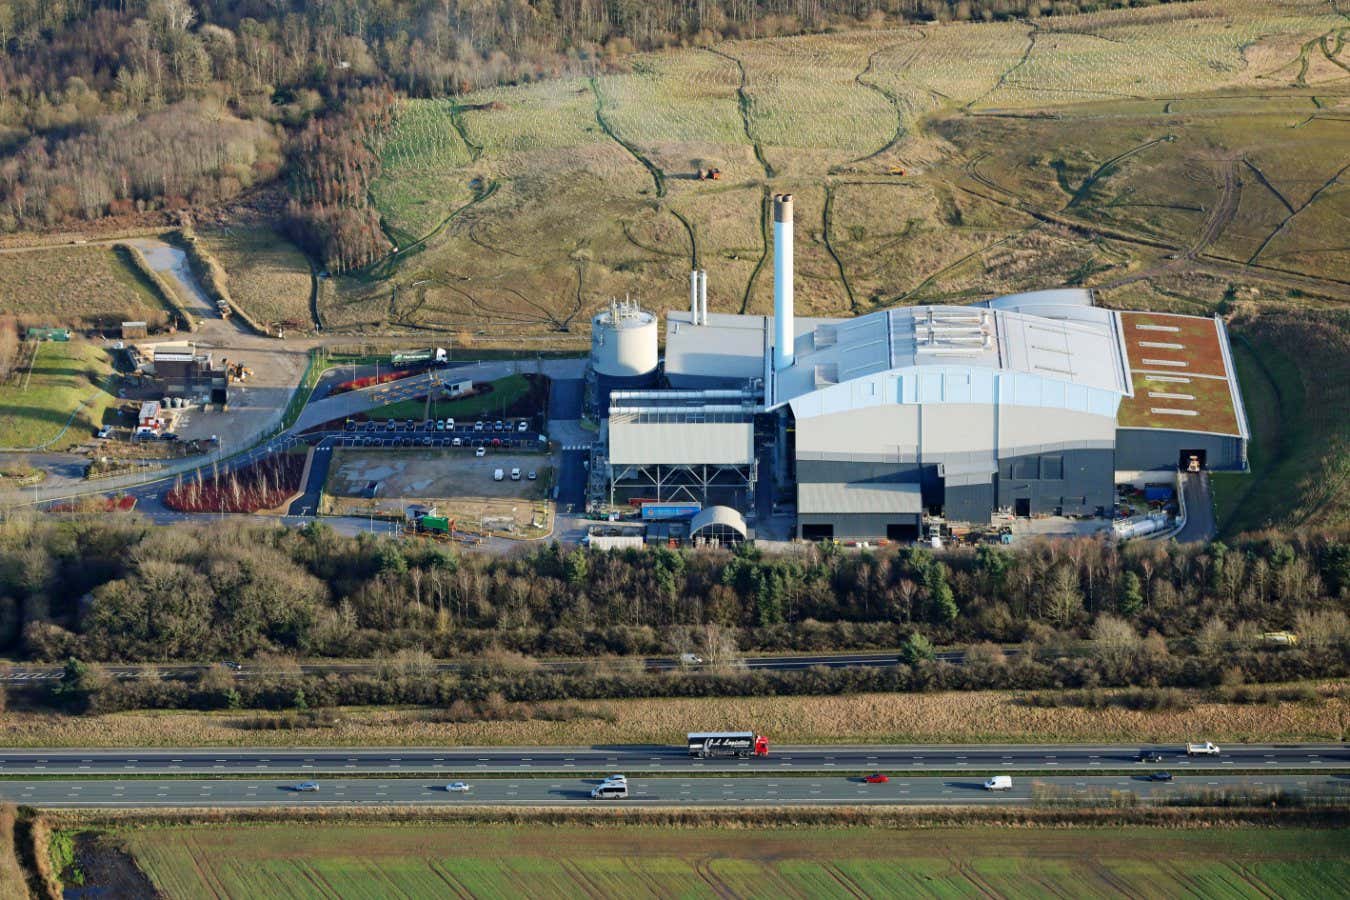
[1180,379]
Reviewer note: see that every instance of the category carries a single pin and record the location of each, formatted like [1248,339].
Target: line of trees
[110,107]
[109,589]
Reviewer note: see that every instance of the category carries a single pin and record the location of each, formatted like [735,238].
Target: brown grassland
[1160,156]
[81,287]
[919,718]
[268,275]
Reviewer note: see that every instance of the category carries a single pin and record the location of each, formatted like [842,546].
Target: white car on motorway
[615,779]
[458,787]
[308,787]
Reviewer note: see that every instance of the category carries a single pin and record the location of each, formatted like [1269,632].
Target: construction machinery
[709,174]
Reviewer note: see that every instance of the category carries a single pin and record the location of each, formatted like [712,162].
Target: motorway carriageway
[757,791]
[983,758]
[21,673]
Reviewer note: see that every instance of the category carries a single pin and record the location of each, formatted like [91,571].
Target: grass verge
[959,717]
[504,394]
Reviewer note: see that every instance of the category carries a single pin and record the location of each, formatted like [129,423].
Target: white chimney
[703,295]
[693,296]
[784,332]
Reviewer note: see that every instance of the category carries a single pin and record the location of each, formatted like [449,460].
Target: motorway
[918,758]
[760,791]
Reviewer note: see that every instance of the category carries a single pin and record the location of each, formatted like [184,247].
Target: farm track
[493,248]
[384,268]
[658,251]
[744,102]
[457,122]
[1221,216]
[1107,167]
[825,223]
[658,176]
[693,240]
[1292,215]
[1261,177]
[1032,31]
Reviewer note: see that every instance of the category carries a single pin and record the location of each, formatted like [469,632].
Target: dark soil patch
[109,871]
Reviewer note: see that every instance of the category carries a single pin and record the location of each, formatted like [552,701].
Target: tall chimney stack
[693,296]
[784,332]
[703,295]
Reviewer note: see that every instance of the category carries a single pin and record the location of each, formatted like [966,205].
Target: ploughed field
[1168,156]
[349,861]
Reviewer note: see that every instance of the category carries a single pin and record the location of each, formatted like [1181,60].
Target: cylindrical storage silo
[623,351]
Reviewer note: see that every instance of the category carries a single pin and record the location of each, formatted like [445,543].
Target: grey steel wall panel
[1140,449]
[858,527]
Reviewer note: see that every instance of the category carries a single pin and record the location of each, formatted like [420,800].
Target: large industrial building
[1026,405]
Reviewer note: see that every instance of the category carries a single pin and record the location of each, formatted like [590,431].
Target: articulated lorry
[431,356]
[740,744]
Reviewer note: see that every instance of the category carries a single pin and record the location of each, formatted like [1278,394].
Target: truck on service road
[1205,749]
[741,744]
[431,356]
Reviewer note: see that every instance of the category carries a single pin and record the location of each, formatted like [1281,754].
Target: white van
[999,783]
[498,475]
[610,790]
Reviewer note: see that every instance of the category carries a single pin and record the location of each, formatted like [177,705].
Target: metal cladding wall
[969,502]
[1072,482]
[1143,449]
[863,527]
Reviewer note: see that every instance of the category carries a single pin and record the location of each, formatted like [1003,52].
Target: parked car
[440,425]
[458,787]
[478,426]
[308,787]
[450,424]
[457,442]
[515,474]
[498,475]
[480,452]
[105,432]
[497,426]
[522,425]
[999,783]
[532,475]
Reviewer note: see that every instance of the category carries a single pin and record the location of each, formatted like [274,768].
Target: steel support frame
[671,483]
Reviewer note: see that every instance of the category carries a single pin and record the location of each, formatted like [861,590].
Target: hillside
[1167,156]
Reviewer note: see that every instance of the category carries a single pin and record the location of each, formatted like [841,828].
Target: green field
[352,861]
[34,410]
[505,392]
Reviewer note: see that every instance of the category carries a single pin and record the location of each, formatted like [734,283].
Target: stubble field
[350,861]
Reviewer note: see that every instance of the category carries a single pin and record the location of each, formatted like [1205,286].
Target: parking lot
[430,433]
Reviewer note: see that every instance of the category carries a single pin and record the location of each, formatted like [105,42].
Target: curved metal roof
[717,515]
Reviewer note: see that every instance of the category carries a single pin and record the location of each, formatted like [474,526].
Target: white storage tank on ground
[623,350]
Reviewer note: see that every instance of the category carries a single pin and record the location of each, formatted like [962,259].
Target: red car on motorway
[877,778]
